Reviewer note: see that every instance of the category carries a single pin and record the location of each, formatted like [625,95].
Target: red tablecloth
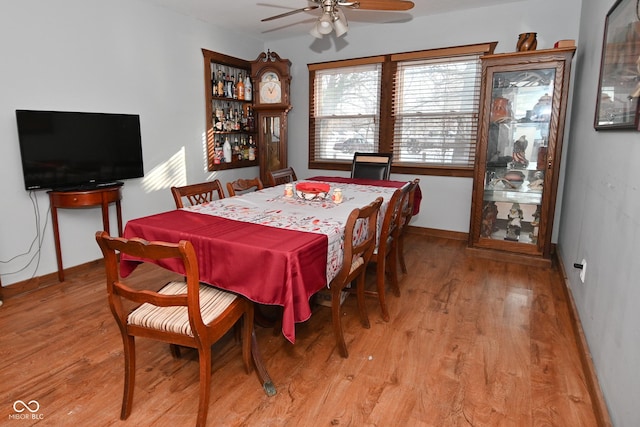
[377,182]
[267,265]
[256,258]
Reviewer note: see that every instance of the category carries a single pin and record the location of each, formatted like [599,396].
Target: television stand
[75,199]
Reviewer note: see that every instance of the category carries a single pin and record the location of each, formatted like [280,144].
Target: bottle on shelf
[237,153]
[221,78]
[229,88]
[214,84]
[240,88]
[252,149]
[218,154]
[236,120]
[226,149]
[250,119]
[245,148]
[248,89]
[234,90]
[218,121]
[228,121]
[243,120]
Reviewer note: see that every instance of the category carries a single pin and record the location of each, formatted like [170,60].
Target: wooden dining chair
[197,194]
[281,176]
[358,249]
[371,165]
[185,313]
[241,186]
[385,255]
[407,213]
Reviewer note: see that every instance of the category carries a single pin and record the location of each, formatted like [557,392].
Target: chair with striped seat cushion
[188,314]
[175,319]
[359,243]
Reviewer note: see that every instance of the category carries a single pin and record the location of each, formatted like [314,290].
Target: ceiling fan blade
[384,4]
[282,15]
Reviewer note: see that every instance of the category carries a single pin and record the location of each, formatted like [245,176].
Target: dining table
[272,247]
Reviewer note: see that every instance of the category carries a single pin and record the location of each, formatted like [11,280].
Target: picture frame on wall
[619,81]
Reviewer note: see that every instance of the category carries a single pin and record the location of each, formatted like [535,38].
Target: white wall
[120,56]
[601,223]
[125,56]
[447,201]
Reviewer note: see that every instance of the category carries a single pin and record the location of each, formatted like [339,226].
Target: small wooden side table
[84,199]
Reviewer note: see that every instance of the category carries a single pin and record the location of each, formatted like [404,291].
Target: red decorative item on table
[312,190]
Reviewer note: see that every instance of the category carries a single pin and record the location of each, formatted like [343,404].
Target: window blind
[435,107]
[345,111]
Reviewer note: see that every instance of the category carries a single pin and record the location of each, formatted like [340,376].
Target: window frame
[387,121]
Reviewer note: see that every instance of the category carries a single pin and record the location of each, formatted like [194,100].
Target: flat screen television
[64,150]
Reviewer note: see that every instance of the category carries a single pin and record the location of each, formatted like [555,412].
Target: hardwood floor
[471,342]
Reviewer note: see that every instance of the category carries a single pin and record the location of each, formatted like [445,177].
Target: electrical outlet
[583,272]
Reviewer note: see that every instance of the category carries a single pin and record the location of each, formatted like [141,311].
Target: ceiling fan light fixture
[324,30]
[325,17]
[314,32]
[333,18]
[340,27]
[340,24]
[324,24]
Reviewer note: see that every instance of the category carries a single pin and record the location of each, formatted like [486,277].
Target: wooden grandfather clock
[271,82]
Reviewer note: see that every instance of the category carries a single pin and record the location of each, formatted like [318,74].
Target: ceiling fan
[332,17]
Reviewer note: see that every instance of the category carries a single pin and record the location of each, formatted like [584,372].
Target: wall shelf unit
[229,113]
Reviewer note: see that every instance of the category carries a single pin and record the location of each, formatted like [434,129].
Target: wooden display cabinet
[521,127]
[265,132]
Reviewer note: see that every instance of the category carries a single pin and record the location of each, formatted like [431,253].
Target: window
[427,113]
[346,110]
[436,111]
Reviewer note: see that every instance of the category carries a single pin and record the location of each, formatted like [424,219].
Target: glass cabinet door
[271,138]
[516,154]
[272,141]
[521,127]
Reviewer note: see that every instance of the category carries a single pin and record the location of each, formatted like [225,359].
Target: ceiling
[245,15]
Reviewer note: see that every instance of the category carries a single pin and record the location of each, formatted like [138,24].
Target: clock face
[270,92]
[270,77]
